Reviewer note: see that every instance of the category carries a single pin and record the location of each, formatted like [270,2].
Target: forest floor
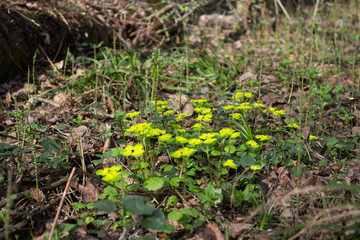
[217,134]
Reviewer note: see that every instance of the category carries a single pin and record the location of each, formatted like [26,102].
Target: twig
[233,187]
[61,203]
[187,205]
[284,10]
[48,187]
[51,63]
[30,20]
[316,8]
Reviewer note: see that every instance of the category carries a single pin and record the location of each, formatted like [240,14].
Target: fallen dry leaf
[305,131]
[210,231]
[235,229]
[188,109]
[34,194]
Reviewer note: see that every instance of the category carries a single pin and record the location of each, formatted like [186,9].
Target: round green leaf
[154,183]
[105,205]
[175,215]
[137,205]
[156,221]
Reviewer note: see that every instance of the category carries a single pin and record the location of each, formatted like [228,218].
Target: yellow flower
[161,108]
[183,152]
[248,95]
[207,118]
[136,151]
[257,105]
[199,100]
[139,128]
[181,139]
[228,107]
[205,110]
[312,137]
[244,106]
[195,142]
[197,127]
[165,137]
[252,144]
[111,174]
[208,135]
[230,163]
[262,137]
[279,112]
[255,167]
[272,109]
[198,109]
[154,132]
[132,114]
[235,135]
[239,95]
[181,116]
[168,113]
[236,116]
[292,125]
[226,132]
[209,140]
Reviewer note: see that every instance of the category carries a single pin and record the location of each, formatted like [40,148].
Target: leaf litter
[88,142]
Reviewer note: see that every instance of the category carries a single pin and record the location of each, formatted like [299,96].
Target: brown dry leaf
[188,109]
[81,234]
[81,131]
[163,159]
[235,229]
[90,193]
[246,77]
[305,131]
[356,113]
[355,129]
[268,78]
[59,65]
[254,236]
[33,194]
[210,231]
[62,98]
[272,98]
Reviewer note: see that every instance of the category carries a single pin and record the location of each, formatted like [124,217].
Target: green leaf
[146,237]
[175,181]
[175,215]
[247,160]
[332,141]
[105,205]
[117,152]
[50,145]
[78,206]
[232,149]
[132,187]
[156,221]
[215,153]
[169,229]
[5,146]
[69,228]
[60,127]
[154,183]
[137,205]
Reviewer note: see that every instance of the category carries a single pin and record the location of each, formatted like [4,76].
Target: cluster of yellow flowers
[204,115]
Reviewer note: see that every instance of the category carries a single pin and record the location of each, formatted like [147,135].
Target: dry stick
[324,219]
[284,10]
[233,187]
[51,63]
[316,8]
[61,203]
[188,205]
